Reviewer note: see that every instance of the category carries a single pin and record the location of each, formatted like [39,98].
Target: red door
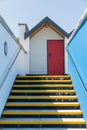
[55,57]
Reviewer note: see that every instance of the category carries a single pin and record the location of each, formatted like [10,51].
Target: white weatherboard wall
[26,44]
[12,49]
[8,73]
[38,50]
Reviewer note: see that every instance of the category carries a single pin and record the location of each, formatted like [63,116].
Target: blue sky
[65,13]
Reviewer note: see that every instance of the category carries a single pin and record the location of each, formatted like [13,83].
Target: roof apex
[46,19]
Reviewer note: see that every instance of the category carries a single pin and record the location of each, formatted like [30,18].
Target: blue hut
[77,60]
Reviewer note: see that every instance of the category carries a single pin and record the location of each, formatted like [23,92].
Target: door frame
[63,52]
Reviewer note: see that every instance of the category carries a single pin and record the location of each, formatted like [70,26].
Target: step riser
[42,100]
[43,126]
[42,116]
[40,83]
[42,107]
[42,88]
[43,78]
[41,94]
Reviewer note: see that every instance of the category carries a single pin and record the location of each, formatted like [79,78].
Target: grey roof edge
[5,25]
[70,33]
[46,19]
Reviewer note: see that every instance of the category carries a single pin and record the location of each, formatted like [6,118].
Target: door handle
[49,54]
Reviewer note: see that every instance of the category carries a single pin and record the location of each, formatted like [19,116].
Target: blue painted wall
[77,49]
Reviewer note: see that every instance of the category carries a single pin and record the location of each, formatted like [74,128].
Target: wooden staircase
[42,102]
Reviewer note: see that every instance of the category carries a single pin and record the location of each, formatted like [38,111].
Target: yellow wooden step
[47,85]
[71,104]
[45,76]
[45,81]
[72,121]
[43,91]
[58,112]
[42,97]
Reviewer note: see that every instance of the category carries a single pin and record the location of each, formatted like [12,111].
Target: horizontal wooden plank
[45,81]
[45,76]
[46,85]
[59,112]
[44,104]
[45,121]
[43,91]
[42,97]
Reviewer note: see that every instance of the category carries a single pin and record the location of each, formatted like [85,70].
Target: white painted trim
[83,17]
[65,56]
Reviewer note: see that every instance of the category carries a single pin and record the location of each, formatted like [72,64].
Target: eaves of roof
[42,23]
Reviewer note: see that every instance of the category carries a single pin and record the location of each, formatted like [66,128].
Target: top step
[44,77]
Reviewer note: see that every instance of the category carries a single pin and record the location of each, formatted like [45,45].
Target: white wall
[38,50]
[26,45]
[66,57]
[12,48]
[8,73]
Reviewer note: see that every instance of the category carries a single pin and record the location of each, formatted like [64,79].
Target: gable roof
[43,23]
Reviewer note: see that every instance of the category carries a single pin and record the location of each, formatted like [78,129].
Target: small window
[5,48]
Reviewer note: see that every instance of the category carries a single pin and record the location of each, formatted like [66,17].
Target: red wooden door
[55,57]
